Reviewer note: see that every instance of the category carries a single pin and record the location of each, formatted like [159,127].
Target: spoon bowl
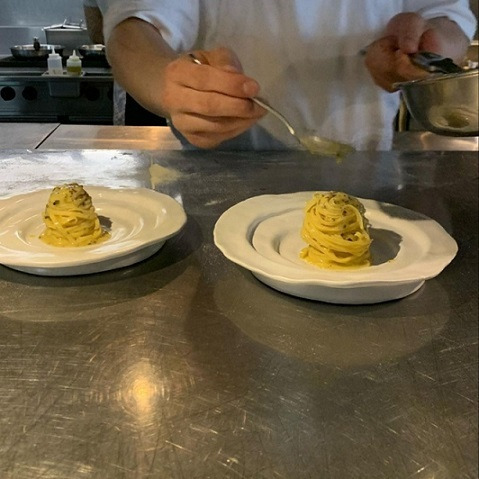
[314,143]
[311,141]
[321,146]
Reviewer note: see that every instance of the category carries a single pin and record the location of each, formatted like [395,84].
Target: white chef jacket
[305,54]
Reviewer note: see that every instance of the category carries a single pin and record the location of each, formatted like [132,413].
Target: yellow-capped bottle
[74,64]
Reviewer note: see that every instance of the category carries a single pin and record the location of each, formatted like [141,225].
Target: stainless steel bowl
[96,50]
[446,104]
[29,51]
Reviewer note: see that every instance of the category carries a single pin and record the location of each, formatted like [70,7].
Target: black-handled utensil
[434,63]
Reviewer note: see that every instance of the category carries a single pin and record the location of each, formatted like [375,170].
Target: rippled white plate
[262,234]
[139,221]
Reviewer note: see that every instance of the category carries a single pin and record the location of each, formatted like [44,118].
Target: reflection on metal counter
[323,335]
[185,366]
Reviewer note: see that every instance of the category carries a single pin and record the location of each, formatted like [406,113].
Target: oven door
[35,97]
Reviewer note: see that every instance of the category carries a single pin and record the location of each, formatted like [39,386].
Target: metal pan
[35,51]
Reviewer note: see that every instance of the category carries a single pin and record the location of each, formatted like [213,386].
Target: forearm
[207,103]
[138,55]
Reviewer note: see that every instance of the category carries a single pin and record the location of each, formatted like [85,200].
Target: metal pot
[446,104]
[97,50]
[68,35]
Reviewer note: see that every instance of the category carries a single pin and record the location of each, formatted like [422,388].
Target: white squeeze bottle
[54,62]
[74,64]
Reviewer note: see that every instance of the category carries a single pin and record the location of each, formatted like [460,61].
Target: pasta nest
[336,231]
[70,218]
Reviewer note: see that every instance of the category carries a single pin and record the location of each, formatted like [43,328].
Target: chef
[304,57]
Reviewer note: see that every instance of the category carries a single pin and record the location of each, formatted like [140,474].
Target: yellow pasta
[70,218]
[336,232]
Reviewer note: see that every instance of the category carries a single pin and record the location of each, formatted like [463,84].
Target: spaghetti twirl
[70,218]
[336,232]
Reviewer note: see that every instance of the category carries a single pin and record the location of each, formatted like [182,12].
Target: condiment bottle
[73,64]
[54,62]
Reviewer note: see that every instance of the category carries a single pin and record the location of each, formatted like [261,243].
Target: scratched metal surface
[24,135]
[184,366]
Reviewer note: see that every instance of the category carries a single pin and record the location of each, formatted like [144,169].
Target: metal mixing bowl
[446,104]
[96,50]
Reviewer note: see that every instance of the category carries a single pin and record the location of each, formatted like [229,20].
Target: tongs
[434,63]
[429,61]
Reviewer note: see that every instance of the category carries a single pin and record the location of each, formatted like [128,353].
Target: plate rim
[301,197]
[96,192]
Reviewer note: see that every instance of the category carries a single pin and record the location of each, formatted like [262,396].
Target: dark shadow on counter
[40,295]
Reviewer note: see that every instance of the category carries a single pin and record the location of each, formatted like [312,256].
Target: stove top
[28,93]
[87,62]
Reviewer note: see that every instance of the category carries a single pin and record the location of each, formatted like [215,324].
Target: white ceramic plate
[139,221]
[262,234]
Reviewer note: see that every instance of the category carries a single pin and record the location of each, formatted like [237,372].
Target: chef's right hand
[209,103]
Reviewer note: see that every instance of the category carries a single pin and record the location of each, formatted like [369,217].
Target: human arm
[94,23]
[207,103]
[387,59]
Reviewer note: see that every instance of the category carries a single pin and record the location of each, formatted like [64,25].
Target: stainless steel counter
[185,366]
[24,135]
[109,136]
[427,141]
[154,138]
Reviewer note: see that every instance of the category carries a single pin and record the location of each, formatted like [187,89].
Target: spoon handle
[259,102]
[194,59]
[314,144]
[274,112]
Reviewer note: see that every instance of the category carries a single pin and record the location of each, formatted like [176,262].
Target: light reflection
[140,392]
[45,169]
[160,175]
[178,198]
[144,394]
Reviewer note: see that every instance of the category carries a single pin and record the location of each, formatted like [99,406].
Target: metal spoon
[312,142]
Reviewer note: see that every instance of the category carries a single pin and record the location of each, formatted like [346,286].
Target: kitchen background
[21,20]
[32,98]
[26,94]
